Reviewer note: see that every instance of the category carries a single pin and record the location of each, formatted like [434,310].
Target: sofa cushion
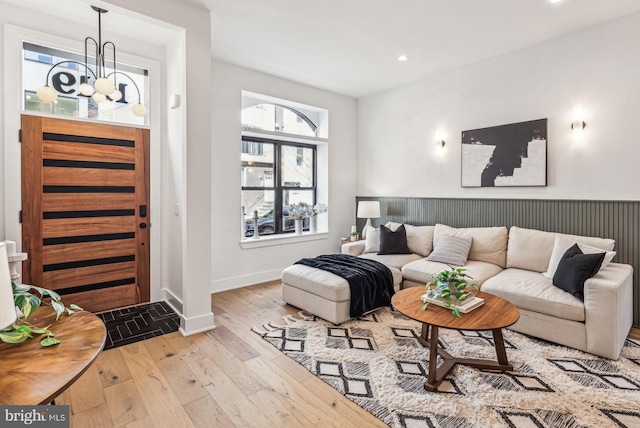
[393,241]
[531,249]
[532,291]
[489,243]
[422,271]
[452,250]
[393,260]
[575,268]
[562,244]
[419,238]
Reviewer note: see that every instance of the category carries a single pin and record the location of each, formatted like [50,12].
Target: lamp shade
[368,209]
[7,307]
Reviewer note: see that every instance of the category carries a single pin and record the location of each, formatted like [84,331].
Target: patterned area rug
[377,363]
[137,323]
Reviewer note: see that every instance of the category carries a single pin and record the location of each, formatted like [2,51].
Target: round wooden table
[494,315]
[31,374]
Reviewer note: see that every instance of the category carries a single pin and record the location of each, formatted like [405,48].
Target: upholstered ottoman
[321,293]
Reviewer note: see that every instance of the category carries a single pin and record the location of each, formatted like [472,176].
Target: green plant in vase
[449,286]
[27,303]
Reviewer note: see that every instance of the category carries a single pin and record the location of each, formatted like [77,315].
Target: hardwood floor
[223,378]
[228,377]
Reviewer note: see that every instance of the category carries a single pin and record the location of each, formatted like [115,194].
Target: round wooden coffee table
[494,315]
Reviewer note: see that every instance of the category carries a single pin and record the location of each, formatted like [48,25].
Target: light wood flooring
[223,378]
[227,377]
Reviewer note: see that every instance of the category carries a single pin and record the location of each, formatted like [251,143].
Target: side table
[31,374]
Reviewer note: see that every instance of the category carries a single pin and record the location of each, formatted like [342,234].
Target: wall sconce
[440,137]
[578,124]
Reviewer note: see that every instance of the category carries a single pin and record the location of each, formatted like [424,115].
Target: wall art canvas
[505,155]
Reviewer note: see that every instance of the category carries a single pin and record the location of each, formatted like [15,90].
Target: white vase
[313,224]
[298,224]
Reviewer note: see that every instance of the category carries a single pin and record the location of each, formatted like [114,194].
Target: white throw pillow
[372,240]
[452,250]
[419,238]
[561,246]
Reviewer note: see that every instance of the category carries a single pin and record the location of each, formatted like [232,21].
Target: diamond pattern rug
[377,362]
[129,325]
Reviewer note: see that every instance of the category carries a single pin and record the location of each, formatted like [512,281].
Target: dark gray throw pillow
[393,242]
[575,268]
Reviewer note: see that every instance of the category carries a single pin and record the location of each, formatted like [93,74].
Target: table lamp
[7,307]
[368,210]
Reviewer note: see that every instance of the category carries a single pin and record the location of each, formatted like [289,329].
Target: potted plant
[299,212]
[449,286]
[315,210]
[27,302]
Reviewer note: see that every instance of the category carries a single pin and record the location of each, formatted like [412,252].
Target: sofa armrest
[354,248]
[608,306]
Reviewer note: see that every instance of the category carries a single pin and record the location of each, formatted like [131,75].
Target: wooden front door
[85,211]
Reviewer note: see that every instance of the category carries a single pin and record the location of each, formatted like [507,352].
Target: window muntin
[275,182]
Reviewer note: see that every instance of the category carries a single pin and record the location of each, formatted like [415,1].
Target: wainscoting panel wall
[619,220]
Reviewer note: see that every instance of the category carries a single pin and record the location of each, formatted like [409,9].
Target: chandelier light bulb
[104,86]
[47,94]
[139,110]
[86,89]
[116,95]
[99,98]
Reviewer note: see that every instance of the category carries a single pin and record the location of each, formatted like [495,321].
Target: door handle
[143,225]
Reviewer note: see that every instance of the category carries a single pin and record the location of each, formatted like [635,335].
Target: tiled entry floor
[137,323]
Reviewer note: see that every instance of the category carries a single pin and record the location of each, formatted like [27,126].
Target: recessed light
[402,58]
[555,1]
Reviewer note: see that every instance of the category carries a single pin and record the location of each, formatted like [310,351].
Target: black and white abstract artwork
[506,155]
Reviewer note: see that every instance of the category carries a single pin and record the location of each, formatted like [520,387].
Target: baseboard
[245,280]
[172,300]
[200,324]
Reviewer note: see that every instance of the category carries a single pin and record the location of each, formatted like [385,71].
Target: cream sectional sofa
[511,264]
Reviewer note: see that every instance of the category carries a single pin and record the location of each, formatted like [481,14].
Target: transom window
[278,118]
[65,78]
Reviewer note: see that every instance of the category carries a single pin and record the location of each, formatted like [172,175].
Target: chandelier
[105,86]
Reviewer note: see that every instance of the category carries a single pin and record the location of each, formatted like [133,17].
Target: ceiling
[351,46]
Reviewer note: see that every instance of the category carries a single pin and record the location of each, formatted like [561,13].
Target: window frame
[279,188]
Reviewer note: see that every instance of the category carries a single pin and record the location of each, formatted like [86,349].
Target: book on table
[471,303]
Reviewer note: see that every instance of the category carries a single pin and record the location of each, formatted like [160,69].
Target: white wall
[597,68]
[195,183]
[233,266]
[186,251]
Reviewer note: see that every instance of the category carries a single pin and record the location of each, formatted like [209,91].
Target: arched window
[280,158]
[278,118]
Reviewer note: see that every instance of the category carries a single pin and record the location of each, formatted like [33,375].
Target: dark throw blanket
[371,282]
